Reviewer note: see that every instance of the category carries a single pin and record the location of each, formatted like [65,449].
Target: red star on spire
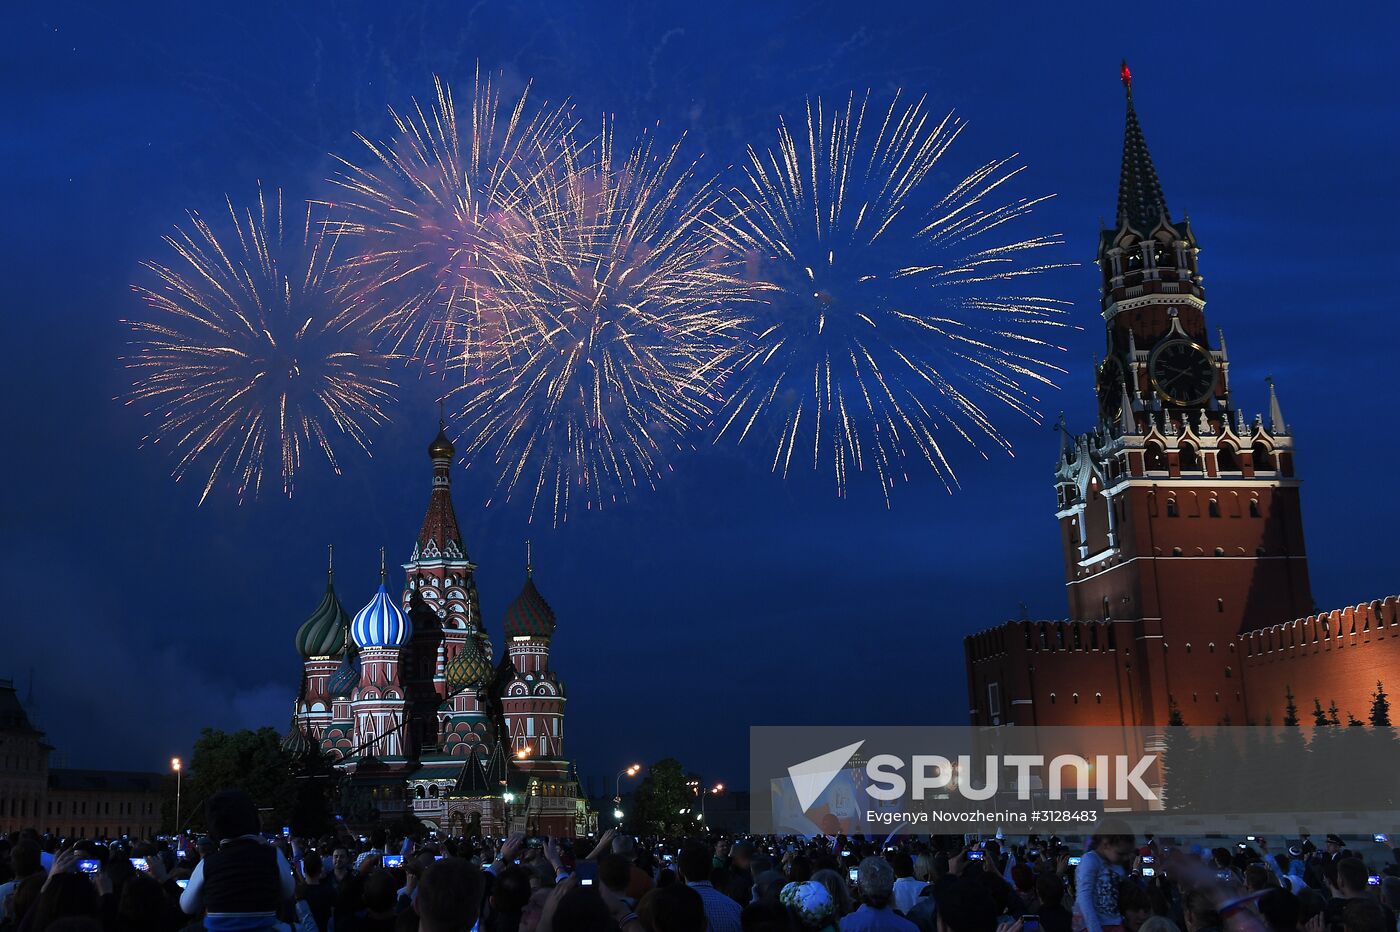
[1126,75]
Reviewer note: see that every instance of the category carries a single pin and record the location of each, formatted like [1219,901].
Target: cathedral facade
[1181,526]
[406,699]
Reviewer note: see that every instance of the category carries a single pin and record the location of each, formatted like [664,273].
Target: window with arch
[433,791]
[1226,460]
[1263,459]
[1188,647]
[1220,551]
[1213,508]
[1189,458]
[1154,457]
[1098,698]
[1229,672]
[1172,511]
[1076,698]
[1220,605]
[1052,698]
[1176,551]
[1254,507]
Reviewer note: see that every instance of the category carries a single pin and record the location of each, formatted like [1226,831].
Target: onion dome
[323,634]
[471,667]
[381,623]
[441,447]
[529,615]
[346,676]
[298,745]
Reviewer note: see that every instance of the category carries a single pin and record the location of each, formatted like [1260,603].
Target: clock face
[1111,389]
[1182,372]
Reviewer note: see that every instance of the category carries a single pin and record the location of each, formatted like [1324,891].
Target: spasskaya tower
[1179,513]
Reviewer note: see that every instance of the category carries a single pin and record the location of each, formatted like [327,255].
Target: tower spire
[330,563]
[1276,422]
[383,577]
[529,561]
[1140,200]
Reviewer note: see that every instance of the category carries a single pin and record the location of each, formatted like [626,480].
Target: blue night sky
[729,597]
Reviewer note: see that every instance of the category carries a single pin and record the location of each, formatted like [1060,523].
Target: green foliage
[252,761]
[1380,707]
[661,796]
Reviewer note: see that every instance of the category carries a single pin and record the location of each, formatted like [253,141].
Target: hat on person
[1336,840]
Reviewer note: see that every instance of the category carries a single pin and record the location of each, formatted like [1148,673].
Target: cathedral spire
[440,532]
[1140,200]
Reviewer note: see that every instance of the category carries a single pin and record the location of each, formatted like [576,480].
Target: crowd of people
[235,878]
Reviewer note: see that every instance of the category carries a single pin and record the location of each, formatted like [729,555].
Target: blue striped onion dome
[323,634]
[529,615]
[381,623]
[471,667]
[346,676]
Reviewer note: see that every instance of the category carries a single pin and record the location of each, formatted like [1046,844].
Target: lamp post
[617,784]
[179,774]
[701,792]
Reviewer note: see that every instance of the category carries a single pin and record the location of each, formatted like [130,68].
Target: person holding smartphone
[1096,879]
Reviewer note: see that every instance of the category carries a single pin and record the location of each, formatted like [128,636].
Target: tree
[1181,748]
[251,761]
[661,796]
[1319,716]
[1380,707]
[1290,716]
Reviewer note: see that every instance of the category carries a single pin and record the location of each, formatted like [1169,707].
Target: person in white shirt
[906,886]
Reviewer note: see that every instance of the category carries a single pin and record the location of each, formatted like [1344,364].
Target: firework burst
[615,314]
[899,320]
[253,353]
[430,199]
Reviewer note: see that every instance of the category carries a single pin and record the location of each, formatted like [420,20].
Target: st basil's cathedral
[406,700]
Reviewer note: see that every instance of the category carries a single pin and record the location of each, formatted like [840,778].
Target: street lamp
[179,773]
[617,784]
[617,814]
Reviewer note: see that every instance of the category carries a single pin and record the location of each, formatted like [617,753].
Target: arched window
[1263,459]
[1226,460]
[1076,698]
[417,792]
[1154,458]
[1176,551]
[433,791]
[1171,508]
[1220,551]
[1098,697]
[1220,605]
[1254,507]
[1052,698]
[1189,457]
[1214,508]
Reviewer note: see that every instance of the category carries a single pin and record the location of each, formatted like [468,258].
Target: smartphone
[1241,845]
[1149,859]
[140,864]
[89,866]
[587,873]
[286,831]
[854,874]
[1149,872]
[1030,923]
[1381,839]
[438,857]
[182,854]
[1249,838]
[668,858]
[977,855]
[1074,861]
[1225,876]
[392,860]
[1374,880]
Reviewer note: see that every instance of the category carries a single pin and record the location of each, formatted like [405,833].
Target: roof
[111,781]
[529,615]
[13,718]
[1141,203]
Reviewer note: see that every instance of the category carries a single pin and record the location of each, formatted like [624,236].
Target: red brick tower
[1179,515]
